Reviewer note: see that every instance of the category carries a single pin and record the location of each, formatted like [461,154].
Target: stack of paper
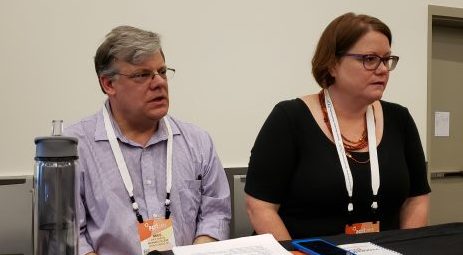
[367,248]
[251,245]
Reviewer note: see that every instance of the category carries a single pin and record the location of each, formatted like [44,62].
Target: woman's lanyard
[123,167]
[371,129]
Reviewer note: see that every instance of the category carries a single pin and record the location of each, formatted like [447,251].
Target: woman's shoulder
[396,113]
[294,103]
[393,108]
[291,107]
[302,103]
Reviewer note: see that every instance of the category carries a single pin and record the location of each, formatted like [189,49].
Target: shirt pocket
[190,197]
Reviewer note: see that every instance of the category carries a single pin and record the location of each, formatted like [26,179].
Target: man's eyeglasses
[145,76]
[371,62]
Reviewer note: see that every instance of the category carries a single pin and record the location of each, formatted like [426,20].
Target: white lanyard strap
[170,139]
[340,148]
[122,166]
[117,152]
[374,166]
[371,129]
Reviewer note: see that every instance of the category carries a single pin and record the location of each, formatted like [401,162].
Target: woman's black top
[294,164]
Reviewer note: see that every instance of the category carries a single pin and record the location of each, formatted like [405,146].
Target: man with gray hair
[147,180]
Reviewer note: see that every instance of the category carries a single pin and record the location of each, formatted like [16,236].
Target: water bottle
[55,224]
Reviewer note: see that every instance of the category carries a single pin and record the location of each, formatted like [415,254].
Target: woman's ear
[333,71]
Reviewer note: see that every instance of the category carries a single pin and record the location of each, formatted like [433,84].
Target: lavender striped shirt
[107,222]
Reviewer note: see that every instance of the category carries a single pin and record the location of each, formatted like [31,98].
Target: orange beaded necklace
[349,145]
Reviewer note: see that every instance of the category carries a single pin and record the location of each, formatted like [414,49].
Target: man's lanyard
[374,167]
[123,167]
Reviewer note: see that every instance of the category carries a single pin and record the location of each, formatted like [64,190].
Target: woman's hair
[338,38]
[125,43]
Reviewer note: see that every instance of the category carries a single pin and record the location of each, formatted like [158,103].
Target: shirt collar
[159,135]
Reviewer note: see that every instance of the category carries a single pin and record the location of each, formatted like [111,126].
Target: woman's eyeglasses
[371,62]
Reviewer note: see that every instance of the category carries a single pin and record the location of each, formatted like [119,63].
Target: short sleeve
[272,158]
[415,158]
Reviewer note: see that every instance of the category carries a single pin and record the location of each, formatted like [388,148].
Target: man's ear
[106,84]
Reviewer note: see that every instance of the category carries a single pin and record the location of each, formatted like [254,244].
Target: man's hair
[338,38]
[126,43]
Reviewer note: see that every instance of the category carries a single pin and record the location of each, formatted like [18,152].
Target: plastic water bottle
[55,225]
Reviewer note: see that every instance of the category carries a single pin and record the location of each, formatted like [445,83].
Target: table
[443,239]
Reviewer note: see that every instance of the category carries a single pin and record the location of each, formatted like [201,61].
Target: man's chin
[157,114]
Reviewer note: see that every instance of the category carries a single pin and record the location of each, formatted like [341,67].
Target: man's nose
[156,81]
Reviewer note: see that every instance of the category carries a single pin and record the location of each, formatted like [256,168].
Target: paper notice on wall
[441,123]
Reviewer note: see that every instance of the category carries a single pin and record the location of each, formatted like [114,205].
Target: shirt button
[148,182]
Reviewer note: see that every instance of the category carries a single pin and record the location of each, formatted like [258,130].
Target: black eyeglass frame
[384,60]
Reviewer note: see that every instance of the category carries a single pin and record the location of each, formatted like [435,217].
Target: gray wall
[444,95]
[16,215]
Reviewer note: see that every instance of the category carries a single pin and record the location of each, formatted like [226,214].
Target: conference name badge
[361,228]
[156,234]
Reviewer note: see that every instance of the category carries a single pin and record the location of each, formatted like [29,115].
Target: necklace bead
[349,145]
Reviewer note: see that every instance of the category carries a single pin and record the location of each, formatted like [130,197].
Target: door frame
[443,16]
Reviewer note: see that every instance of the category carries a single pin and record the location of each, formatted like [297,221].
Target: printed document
[264,244]
[367,248]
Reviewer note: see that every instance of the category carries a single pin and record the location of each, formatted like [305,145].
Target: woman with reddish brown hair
[342,160]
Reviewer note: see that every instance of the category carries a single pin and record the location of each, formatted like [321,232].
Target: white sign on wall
[441,123]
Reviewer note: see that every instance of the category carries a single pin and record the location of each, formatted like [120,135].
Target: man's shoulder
[189,130]
[83,126]
[185,125]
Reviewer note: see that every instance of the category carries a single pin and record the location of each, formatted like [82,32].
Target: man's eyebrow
[143,69]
